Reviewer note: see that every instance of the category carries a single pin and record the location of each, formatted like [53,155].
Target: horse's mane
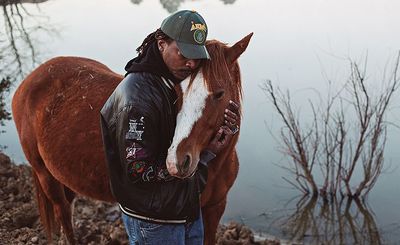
[217,70]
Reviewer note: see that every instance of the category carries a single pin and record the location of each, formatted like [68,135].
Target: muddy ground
[95,222]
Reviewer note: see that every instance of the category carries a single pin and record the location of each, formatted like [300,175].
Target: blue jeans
[143,232]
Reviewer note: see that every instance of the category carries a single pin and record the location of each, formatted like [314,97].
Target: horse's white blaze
[194,101]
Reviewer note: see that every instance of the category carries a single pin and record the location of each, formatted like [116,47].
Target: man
[138,123]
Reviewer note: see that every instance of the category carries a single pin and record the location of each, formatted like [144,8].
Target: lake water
[298,45]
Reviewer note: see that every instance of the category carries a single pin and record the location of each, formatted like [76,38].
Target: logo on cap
[199,34]
[198,27]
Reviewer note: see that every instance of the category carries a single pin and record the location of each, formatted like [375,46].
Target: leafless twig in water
[335,143]
[338,221]
[18,41]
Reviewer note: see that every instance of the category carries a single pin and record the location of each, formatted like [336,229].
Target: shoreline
[95,222]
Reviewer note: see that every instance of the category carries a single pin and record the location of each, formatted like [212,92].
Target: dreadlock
[152,37]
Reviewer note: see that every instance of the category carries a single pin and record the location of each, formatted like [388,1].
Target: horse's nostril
[186,162]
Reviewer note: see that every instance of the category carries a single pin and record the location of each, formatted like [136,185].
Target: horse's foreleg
[211,217]
[69,194]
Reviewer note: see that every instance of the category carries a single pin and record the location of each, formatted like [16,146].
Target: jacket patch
[141,170]
[149,174]
[135,151]
[136,129]
[164,175]
[136,169]
[139,167]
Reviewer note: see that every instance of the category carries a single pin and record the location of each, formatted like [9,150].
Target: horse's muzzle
[180,170]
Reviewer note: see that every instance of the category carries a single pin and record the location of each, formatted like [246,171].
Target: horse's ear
[233,53]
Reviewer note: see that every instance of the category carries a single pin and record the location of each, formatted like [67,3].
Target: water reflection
[5,84]
[136,1]
[173,5]
[18,49]
[321,221]
[228,1]
[18,46]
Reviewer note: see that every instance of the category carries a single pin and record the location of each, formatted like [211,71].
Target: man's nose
[192,64]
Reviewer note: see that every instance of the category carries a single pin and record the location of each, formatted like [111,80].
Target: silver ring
[235,130]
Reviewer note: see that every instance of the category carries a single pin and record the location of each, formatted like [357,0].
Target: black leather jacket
[138,122]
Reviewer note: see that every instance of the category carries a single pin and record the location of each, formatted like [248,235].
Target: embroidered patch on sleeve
[164,175]
[139,167]
[136,129]
[149,174]
[136,169]
[141,170]
[135,151]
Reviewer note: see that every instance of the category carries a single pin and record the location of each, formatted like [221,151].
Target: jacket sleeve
[137,143]
[202,168]
[206,156]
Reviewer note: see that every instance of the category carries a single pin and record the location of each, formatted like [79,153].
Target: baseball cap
[189,30]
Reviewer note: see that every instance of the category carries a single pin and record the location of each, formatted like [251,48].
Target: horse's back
[56,111]
[57,78]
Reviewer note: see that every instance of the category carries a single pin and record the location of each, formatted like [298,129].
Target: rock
[118,235]
[24,220]
[5,220]
[113,216]
[7,173]
[114,242]
[24,238]
[34,240]
[8,205]
[4,160]
[246,234]
[87,211]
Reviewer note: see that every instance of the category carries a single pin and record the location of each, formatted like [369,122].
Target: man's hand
[226,132]
[232,116]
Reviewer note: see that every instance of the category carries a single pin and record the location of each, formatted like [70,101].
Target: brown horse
[56,112]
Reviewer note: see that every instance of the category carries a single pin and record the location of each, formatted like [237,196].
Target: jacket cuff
[206,156]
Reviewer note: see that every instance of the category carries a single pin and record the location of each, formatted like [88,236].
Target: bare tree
[339,146]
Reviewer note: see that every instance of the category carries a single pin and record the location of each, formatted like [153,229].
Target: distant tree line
[173,5]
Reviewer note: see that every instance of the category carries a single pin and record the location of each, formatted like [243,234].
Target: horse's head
[201,104]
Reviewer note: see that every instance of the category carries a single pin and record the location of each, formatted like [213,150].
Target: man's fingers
[230,121]
[229,113]
[228,133]
[234,106]
[226,129]
[218,135]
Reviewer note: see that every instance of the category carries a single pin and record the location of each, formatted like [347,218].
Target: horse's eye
[218,94]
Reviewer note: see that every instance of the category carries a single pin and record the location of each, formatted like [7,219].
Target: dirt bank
[95,222]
